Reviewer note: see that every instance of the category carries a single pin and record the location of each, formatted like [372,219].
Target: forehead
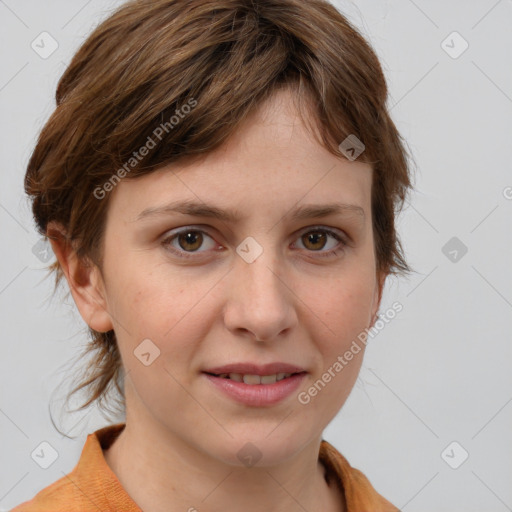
[271,163]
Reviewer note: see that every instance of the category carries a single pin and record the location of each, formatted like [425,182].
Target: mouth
[253,379]
[256,386]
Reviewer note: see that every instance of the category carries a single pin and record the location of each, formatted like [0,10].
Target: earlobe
[84,280]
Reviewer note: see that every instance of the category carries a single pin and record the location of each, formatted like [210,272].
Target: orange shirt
[92,485]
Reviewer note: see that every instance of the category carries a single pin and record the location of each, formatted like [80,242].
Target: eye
[316,239]
[188,241]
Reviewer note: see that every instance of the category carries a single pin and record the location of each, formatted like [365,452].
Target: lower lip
[257,395]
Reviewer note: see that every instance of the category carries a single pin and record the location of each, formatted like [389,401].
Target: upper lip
[256,369]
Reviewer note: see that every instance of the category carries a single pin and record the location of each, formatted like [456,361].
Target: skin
[179,448]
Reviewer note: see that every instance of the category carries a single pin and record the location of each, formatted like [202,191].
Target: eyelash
[314,229]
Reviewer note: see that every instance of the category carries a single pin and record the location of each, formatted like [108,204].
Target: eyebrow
[307,211]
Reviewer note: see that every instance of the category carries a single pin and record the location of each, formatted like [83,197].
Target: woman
[219,182]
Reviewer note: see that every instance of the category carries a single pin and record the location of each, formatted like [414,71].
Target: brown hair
[141,66]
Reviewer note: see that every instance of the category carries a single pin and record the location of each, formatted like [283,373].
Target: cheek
[171,312]
[342,349]
[175,319]
[151,302]
[342,308]
[157,335]
[338,331]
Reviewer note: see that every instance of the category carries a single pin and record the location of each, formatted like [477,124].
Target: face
[268,282]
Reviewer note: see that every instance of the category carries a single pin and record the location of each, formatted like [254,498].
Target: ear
[84,279]
[379,287]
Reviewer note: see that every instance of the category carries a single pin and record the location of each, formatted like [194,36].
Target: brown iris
[192,239]
[317,239]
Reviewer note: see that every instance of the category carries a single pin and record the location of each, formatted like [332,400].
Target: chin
[260,447]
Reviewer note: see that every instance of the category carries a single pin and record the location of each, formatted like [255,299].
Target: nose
[260,303]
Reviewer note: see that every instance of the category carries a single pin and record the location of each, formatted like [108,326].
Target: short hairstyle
[178,77]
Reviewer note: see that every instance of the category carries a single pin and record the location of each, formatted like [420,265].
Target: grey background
[439,372]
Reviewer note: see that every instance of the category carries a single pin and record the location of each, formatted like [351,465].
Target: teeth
[252,379]
[268,379]
[255,379]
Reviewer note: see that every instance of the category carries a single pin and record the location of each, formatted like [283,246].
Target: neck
[163,473]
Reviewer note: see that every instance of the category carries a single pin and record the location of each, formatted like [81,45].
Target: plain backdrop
[429,420]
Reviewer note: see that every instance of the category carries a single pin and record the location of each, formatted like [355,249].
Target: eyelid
[320,227]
